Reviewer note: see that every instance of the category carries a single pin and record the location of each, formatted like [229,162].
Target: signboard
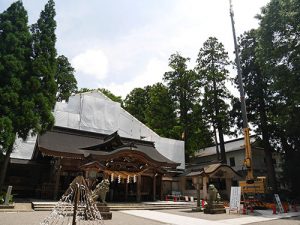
[235,198]
[278,202]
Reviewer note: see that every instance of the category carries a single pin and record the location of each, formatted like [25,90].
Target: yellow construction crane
[251,187]
[248,158]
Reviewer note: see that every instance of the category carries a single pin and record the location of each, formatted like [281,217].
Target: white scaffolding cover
[93,111]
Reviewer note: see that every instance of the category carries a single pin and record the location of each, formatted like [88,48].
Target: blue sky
[123,44]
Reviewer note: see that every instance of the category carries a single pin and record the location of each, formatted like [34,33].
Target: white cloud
[91,62]
[152,74]
[137,54]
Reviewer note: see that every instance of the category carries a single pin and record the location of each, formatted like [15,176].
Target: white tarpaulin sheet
[99,115]
[93,111]
[172,149]
[24,149]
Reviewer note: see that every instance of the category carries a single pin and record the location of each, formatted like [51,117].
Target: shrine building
[96,137]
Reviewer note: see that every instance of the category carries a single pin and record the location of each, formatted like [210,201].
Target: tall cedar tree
[279,51]
[15,52]
[183,87]
[258,96]
[25,105]
[160,111]
[45,63]
[211,68]
[65,79]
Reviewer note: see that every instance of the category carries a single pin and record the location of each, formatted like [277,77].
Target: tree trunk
[222,145]
[216,141]
[4,167]
[219,124]
[268,154]
[185,139]
[269,161]
[266,141]
[289,166]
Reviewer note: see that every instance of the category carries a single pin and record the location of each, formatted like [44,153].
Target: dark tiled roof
[71,143]
[232,145]
[110,143]
[209,169]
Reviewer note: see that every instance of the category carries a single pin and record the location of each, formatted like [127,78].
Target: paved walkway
[19,207]
[266,215]
[164,217]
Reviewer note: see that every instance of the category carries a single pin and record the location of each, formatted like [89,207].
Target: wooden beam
[139,182]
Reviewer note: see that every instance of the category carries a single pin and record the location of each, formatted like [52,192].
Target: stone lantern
[198,182]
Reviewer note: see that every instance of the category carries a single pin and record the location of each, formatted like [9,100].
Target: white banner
[235,198]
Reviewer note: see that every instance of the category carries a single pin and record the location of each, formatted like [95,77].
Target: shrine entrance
[128,192]
[131,178]
[134,168]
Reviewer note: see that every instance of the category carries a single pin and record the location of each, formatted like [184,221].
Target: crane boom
[248,155]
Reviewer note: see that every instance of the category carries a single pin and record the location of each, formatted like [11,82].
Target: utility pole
[248,158]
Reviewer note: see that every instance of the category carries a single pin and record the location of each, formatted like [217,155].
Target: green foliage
[184,87]
[15,61]
[7,135]
[279,43]
[27,69]
[15,64]
[44,65]
[259,96]
[182,84]
[83,90]
[136,103]
[270,66]
[153,106]
[160,111]
[3,196]
[65,80]
[200,134]
[212,70]
[278,55]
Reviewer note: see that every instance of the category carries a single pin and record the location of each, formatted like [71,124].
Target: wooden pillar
[161,188]
[126,191]
[57,178]
[228,186]
[198,195]
[138,188]
[154,187]
[205,180]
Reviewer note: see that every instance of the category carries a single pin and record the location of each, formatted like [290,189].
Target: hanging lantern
[119,179]
[134,179]
[128,179]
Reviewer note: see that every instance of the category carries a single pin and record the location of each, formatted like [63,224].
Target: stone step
[48,206]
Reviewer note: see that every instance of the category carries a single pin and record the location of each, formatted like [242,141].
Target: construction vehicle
[258,187]
[251,187]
